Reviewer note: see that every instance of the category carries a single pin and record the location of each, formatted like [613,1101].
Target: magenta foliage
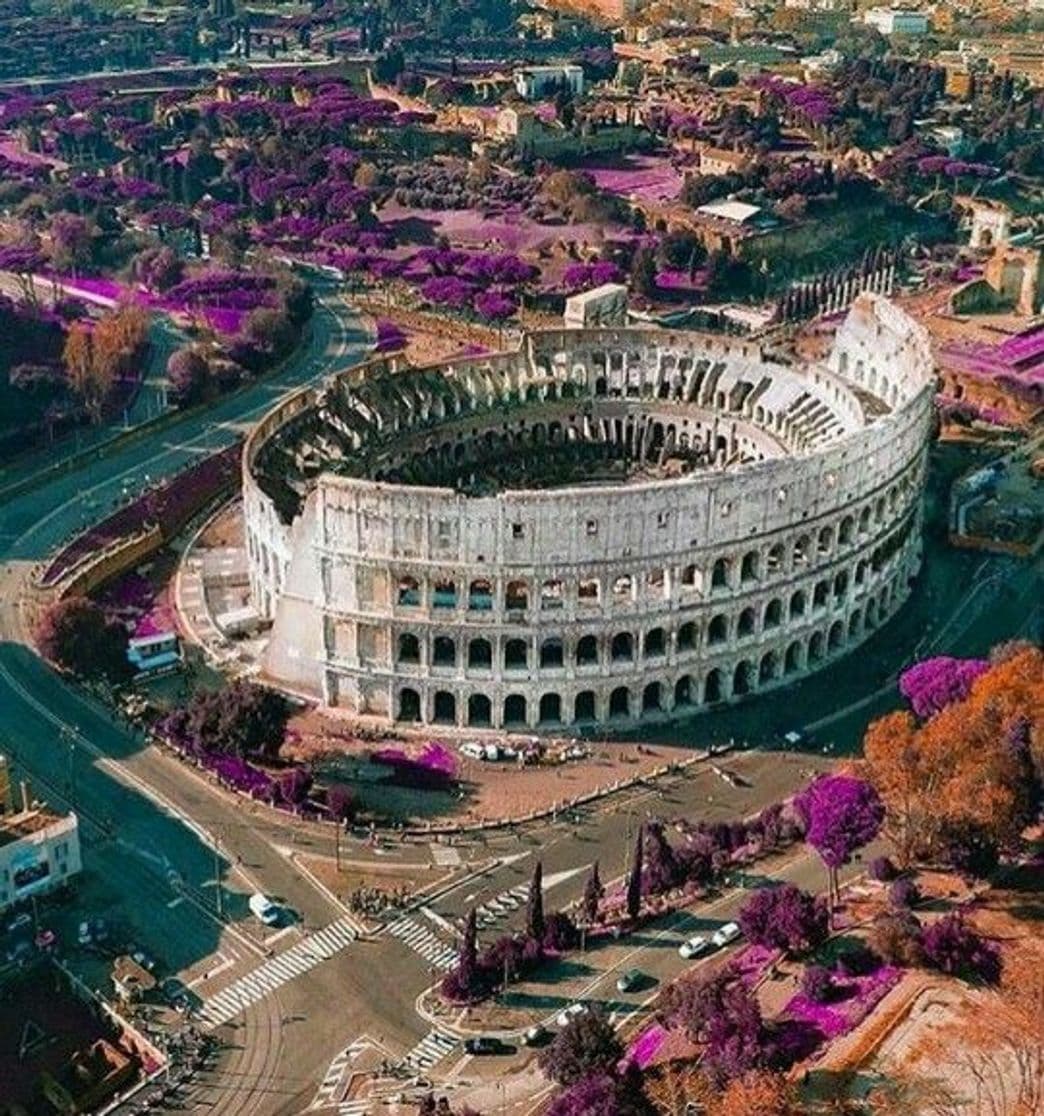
[783,917]
[854,1000]
[933,684]
[494,305]
[644,1048]
[434,767]
[390,336]
[446,290]
[841,815]
[952,946]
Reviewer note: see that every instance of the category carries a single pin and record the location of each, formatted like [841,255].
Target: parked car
[693,947]
[83,934]
[726,934]
[629,981]
[536,1035]
[20,922]
[483,1045]
[574,1011]
[263,908]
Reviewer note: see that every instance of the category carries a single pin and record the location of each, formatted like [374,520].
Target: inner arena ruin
[604,526]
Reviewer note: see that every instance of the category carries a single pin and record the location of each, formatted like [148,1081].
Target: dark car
[483,1045]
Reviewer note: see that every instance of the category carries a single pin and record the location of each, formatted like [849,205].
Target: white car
[726,934]
[693,947]
[574,1011]
[83,935]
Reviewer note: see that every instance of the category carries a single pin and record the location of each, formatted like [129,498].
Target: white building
[896,21]
[601,306]
[534,82]
[39,851]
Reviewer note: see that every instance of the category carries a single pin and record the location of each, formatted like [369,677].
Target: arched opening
[480,653]
[683,691]
[774,562]
[692,579]
[864,521]
[584,706]
[516,596]
[588,593]
[445,708]
[870,620]
[749,566]
[741,678]
[687,636]
[800,555]
[409,648]
[853,624]
[826,540]
[651,698]
[480,595]
[718,629]
[836,636]
[720,574]
[769,667]
[550,709]
[444,652]
[860,572]
[773,614]
[409,705]
[797,604]
[409,592]
[655,643]
[620,702]
[815,647]
[551,653]
[586,650]
[622,647]
[846,530]
[820,594]
[514,710]
[551,595]
[712,687]
[480,711]
[516,654]
[792,660]
[747,623]
[840,585]
[444,594]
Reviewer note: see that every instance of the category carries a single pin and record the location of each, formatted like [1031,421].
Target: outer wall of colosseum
[560,608]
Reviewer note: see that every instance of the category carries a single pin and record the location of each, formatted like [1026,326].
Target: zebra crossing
[502,905]
[431,1049]
[277,971]
[329,1084]
[421,940]
[357,1107]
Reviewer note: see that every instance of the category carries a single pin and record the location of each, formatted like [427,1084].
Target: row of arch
[656,697]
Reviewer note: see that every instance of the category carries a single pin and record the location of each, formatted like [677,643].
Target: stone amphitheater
[606,526]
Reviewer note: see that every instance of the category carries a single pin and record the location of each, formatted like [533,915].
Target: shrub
[587,1045]
[952,946]
[76,634]
[817,983]
[858,959]
[560,933]
[896,938]
[340,801]
[904,893]
[882,869]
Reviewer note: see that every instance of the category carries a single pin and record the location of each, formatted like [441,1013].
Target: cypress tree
[535,904]
[634,881]
[592,894]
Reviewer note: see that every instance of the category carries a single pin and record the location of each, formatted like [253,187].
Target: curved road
[151,829]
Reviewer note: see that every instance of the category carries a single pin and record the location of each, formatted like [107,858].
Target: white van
[263,908]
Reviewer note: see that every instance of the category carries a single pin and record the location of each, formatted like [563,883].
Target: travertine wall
[564,607]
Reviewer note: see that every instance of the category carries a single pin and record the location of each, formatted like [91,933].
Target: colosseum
[605,526]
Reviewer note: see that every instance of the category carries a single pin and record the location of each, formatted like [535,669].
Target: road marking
[332,1079]
[272,938]
[440,922]
[422,941]
[176,902]
[431,1049]
[275,972]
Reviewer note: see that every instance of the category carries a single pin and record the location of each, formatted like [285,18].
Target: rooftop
[15,827]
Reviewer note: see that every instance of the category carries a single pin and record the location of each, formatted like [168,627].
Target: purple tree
[784,917]
[634,881]
[933,684]
[593,892]
[600,1094]
[660,871]
[340,801]
[587,1045]
[737,1038]
[189,376]
[841,814]
[535,904]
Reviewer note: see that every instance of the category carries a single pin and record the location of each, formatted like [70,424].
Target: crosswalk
[431,1049]
[357,1107]
[324,1094]
[277,971]
[421,940]
[498,908]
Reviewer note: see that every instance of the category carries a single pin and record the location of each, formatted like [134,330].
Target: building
[601,306]
[718,160]
[896,21]
[39,850]
[534,82]
[659,522]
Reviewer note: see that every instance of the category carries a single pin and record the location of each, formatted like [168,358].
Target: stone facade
[788,529]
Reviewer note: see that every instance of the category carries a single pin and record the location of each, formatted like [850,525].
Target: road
[162,851]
